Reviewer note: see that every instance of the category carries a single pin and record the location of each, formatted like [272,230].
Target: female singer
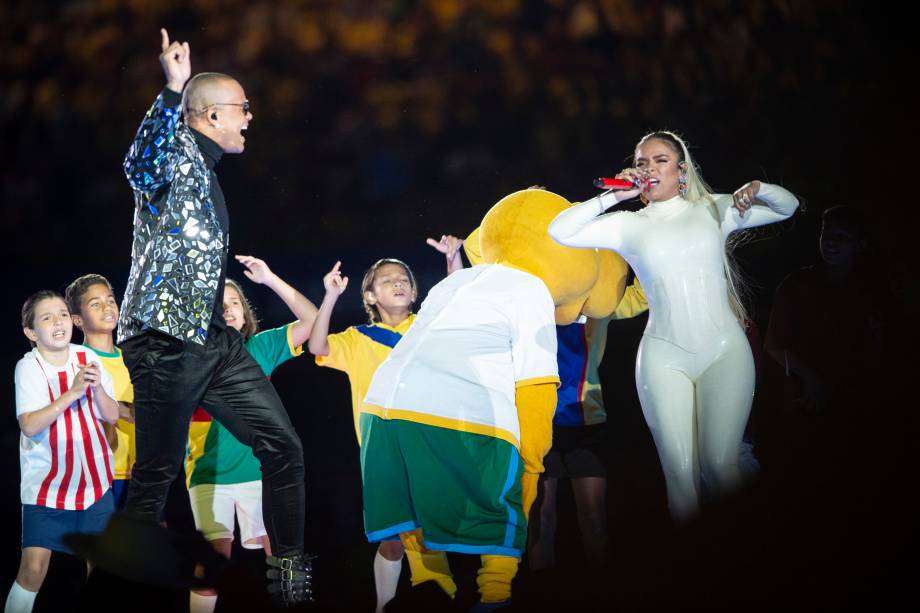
[694,369]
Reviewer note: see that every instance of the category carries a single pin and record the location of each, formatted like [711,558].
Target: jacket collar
[210,150]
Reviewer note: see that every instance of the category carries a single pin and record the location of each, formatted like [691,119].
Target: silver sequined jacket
[178,243]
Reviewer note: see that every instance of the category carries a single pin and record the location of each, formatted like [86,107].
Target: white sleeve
[780,205]
[533,342]
[581,226]
[31,387]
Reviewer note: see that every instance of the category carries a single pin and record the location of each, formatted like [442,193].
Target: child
[579,438]
[223,476]
[388,291]
[66,464]
[94,310]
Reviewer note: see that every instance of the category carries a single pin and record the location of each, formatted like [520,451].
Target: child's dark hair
[845,218]
[368,282]
[28,307]
[74,293]
[250,322]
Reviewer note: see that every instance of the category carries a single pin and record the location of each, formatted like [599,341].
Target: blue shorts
[45,527]
[120,491]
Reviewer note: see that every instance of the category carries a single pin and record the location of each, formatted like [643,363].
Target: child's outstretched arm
[450,247]
[304,310]
[335,284]
[34,422]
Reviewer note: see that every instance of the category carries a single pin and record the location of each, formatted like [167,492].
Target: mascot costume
[457,420]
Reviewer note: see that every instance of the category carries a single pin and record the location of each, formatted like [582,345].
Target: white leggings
[696,406]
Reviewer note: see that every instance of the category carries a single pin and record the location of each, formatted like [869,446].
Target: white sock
[199,603]
[20,600]
[386,578]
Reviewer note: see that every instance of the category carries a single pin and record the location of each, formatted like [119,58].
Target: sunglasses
[244,105]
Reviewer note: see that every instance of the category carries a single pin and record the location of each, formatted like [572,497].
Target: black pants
[171,379]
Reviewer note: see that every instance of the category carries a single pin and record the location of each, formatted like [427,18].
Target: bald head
[203,90]
[215,104]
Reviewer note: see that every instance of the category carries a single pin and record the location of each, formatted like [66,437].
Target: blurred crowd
[428,105]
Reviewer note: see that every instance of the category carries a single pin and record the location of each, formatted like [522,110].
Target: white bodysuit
[694,369]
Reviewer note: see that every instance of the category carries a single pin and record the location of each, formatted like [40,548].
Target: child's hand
[87,377]
[79,385]
[257,270]
[334,282]
[92,374]
[448,245]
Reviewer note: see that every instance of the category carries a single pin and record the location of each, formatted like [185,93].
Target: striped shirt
[125,453]
[69,464]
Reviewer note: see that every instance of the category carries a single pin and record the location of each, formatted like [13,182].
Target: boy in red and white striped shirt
[66,464]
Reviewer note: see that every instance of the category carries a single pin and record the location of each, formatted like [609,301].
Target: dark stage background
[378,124]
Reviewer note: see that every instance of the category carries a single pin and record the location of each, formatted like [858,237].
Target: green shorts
[462,489]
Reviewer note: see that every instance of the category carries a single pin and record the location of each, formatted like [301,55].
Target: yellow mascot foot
[495,577]
[426,565]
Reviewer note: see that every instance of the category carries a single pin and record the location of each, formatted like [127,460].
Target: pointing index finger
[165,42]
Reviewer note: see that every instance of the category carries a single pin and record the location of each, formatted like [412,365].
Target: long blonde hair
[698,192]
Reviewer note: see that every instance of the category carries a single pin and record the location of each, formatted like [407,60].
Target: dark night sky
[378,124]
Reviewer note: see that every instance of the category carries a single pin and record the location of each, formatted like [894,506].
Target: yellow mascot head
[515,233]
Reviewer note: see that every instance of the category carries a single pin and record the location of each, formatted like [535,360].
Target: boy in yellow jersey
[388,291]
[94,310]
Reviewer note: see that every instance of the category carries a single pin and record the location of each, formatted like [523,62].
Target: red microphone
[614,183]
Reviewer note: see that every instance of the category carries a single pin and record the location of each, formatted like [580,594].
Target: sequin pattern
[178,241]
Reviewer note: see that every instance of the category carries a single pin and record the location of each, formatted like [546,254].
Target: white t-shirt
[480,333]
[69,464]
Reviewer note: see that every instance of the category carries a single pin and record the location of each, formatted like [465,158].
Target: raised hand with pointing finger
[334,282]
[450,247]
[176,60]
